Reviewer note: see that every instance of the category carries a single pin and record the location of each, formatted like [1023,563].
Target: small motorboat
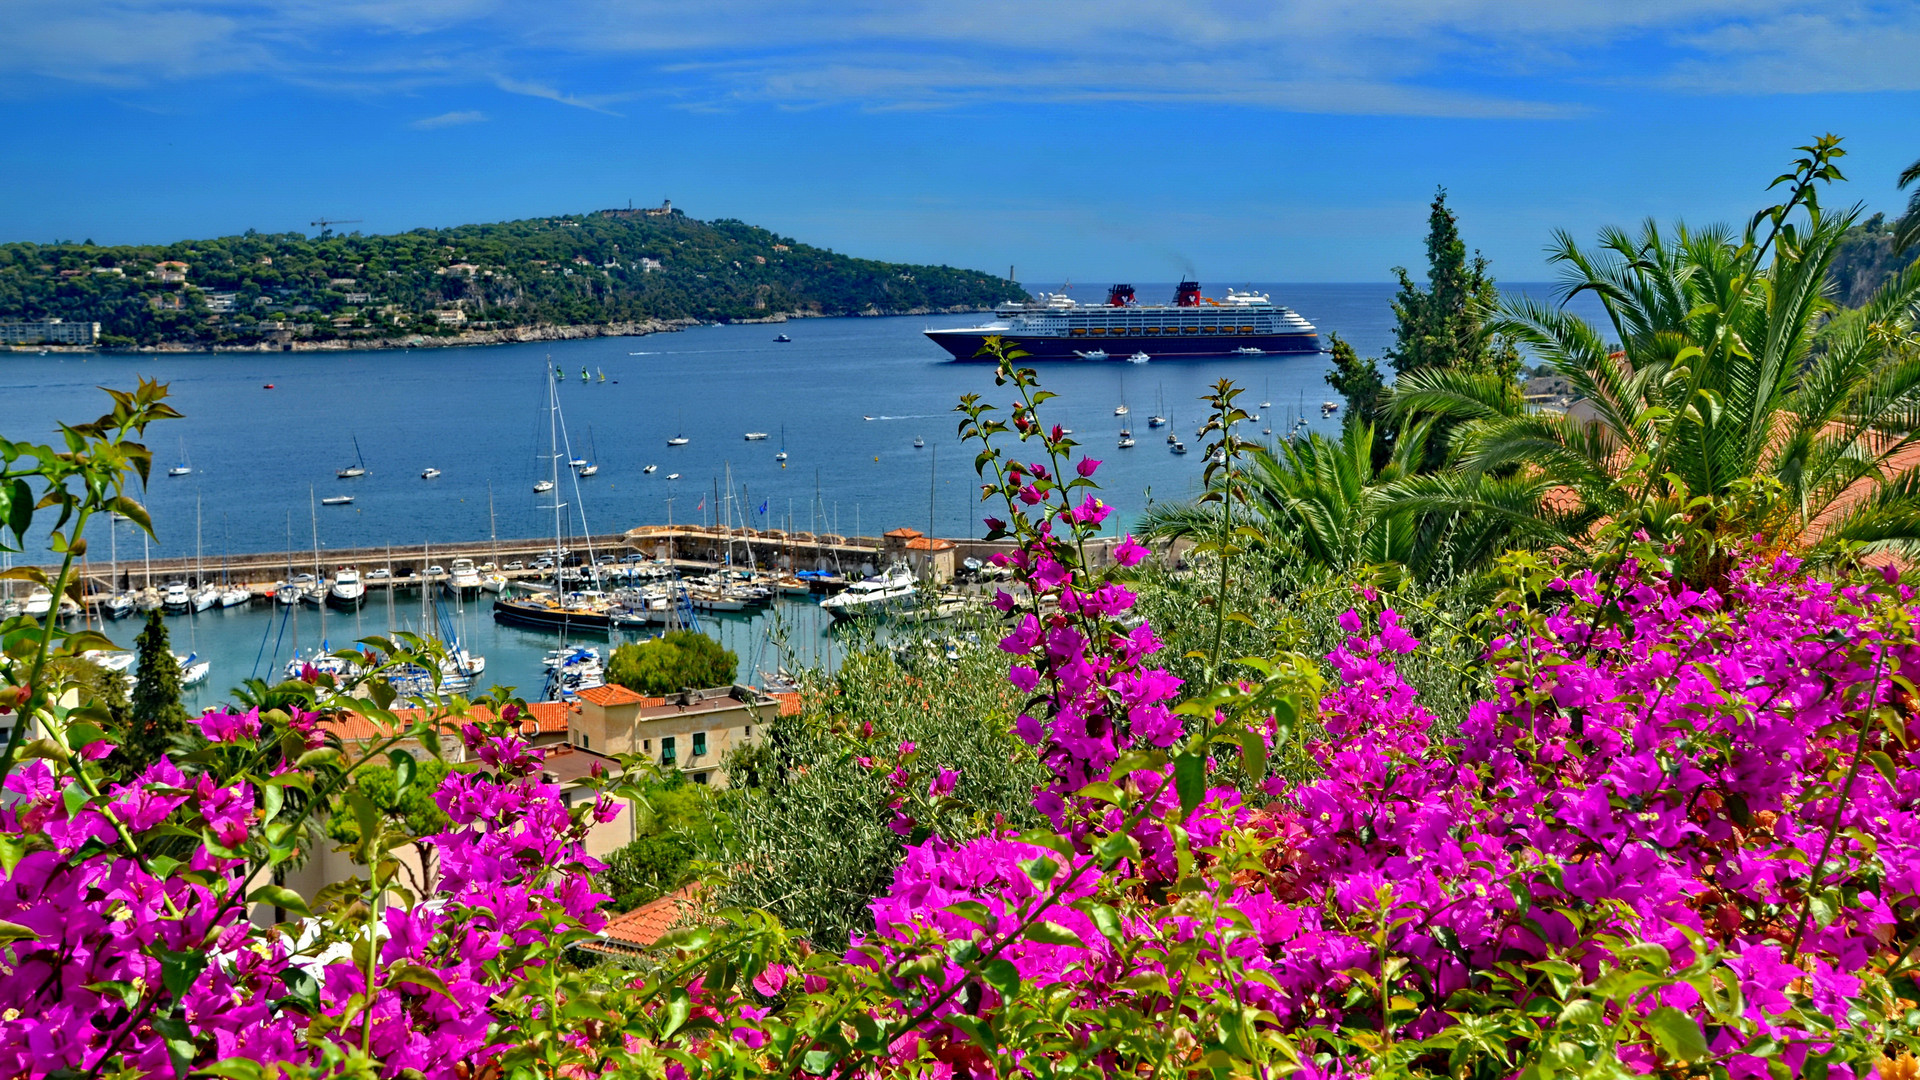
[919,443]
[269,386]
[649,469]
[1179,448]
[673,476]
[1091,354]
[1138,358]
[429,473]
[1328,408]
[1126,442]
[782,337]
[589,469]
[1120,410]
[176,599]
[1266,405]
[577,463]
[678,440]
[781,456]
[542,487]
[337,500]
[756,436]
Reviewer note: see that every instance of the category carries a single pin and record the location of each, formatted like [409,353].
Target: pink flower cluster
[119,955]
[1659,765]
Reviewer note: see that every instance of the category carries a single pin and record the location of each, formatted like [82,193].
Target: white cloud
[449,119]
[541,90]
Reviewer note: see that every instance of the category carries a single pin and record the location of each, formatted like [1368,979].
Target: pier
[691,548]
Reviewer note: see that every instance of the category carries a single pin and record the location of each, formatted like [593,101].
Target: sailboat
[119,604]
[185,467]
[603,374]
[558,609]
[230,595]
[205,596]
[782,455]
[587,467]
[359,466]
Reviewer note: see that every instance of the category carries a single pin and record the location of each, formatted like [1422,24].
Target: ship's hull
[965,344]
[564,620]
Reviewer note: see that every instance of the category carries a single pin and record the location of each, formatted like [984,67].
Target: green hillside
[612,266]
[1866,259]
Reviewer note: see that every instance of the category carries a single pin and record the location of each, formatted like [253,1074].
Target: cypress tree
[1441,325]
[157,717]
[1355,378]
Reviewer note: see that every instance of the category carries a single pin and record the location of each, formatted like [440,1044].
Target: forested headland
[612,267]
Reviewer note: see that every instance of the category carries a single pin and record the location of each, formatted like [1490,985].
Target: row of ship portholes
[1079,331]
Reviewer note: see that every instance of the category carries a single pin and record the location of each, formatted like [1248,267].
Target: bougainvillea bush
[1678,839]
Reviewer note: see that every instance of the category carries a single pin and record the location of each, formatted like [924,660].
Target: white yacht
[115,660]
[756,436]
[874,595]
[429,473]
[463,579]
[39,601]
[649,469]
[542,487]
[117,606]
[193,670]
[347,591]
[234,596]
[678,440]
[176,599]
[205,597]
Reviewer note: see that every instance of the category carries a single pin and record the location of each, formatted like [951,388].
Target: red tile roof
[924,543]
[648,923]
[541,718]
[905,532]
[613,694]
[789,702]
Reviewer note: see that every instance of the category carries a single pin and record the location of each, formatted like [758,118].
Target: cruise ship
[1055,327]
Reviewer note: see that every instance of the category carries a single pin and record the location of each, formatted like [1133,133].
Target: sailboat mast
[319,580]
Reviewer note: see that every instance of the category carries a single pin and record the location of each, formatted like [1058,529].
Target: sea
[845,398]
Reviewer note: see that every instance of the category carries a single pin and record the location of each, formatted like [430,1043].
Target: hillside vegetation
[608,267]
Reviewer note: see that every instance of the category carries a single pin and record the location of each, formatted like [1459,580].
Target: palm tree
[1318,499]
[1715,389]
[1906,231]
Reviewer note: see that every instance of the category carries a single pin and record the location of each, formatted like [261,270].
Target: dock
[689,548]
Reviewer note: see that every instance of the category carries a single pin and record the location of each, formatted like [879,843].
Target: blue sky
[1287,141]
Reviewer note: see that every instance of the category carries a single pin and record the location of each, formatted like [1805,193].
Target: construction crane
[327,224]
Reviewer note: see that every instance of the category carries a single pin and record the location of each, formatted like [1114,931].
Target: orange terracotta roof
[904,532]
[541,718]
[648,923]
[923,543]
[615,694]
[789,702]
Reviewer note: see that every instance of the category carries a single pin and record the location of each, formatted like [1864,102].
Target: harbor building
[49,332]
[691,731]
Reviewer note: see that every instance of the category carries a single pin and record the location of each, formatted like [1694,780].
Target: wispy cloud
[541,90]
[449,119]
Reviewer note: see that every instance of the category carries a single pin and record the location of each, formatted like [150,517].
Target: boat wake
[914,416]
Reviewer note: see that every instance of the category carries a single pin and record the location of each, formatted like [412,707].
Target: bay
[846,397]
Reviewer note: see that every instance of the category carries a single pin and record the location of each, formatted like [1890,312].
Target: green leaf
[1190,780]
[1052,933]
[1002,976]
[281,897]
[1039,870]
[178,970]
[679,1007]
[1677,1033]
[1253,753]
[12,931]
[974,912]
